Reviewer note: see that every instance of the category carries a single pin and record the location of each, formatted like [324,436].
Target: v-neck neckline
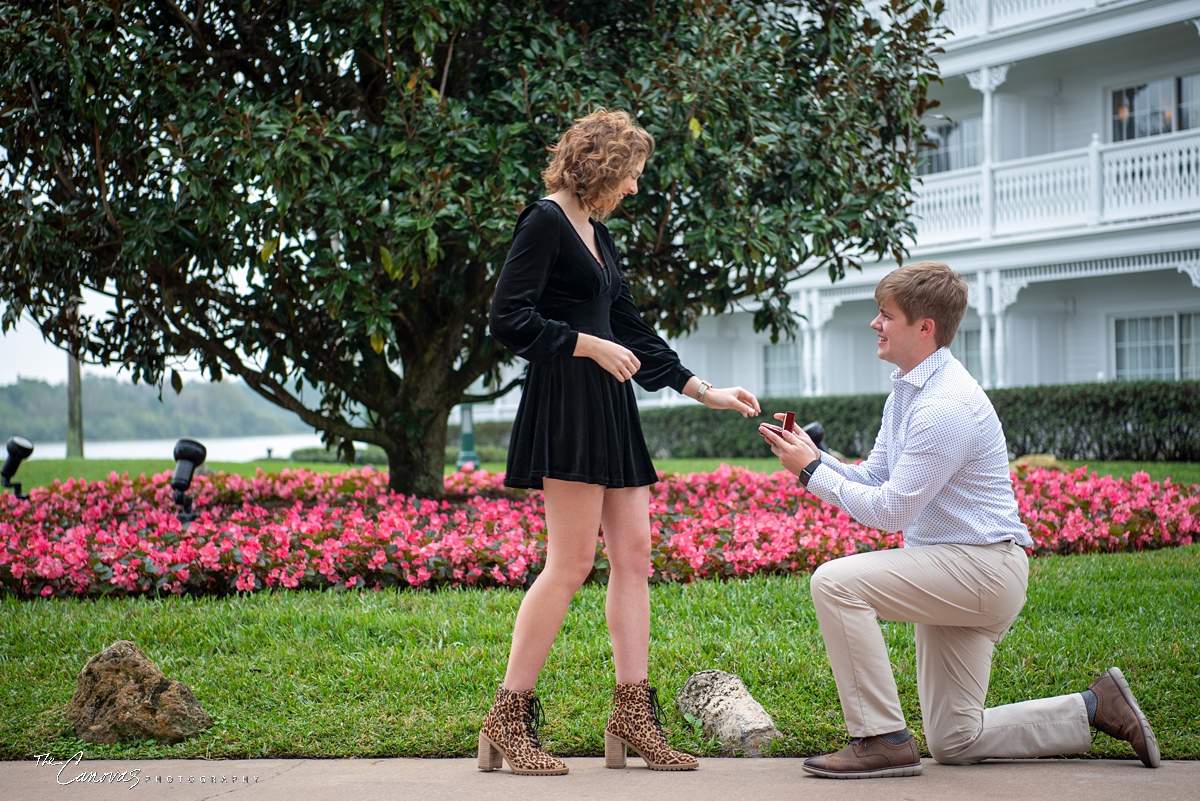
[599,261]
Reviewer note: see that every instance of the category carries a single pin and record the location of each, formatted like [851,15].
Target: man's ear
[928,327]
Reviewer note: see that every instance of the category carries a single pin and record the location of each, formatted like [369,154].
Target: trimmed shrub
[694,432]
[1113,421]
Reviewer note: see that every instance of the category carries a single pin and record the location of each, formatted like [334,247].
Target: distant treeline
[116,409]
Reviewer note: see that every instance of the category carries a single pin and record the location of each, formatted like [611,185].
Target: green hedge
[694,432]
[1125,420]
[1113,421]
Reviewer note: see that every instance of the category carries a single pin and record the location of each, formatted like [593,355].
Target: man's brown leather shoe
[1118,715]
[868,758]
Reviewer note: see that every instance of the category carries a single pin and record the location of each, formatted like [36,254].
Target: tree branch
[446,69]
[662,226]
[193,25]
[491,396]
[112,220]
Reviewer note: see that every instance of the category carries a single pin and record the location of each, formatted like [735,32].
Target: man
[938,472]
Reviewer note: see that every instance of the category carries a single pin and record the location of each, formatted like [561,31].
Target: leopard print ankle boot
[510,732]
[636,722]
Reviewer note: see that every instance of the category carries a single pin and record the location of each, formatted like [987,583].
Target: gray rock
[721,702]
[122,695]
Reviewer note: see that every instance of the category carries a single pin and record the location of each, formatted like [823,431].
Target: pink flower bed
[300,529]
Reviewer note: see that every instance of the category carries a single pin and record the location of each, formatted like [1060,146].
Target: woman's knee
[630,561]
[568,573]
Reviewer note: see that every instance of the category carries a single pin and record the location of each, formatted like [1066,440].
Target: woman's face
[628,186]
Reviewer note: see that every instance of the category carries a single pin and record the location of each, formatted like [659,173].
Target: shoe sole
[491,758]
[881,773]
[614,755]
[1152,754]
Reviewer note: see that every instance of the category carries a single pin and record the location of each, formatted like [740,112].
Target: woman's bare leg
[573,512]
[626,521]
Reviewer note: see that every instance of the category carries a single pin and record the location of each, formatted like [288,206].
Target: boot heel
[614,751]
[490,757]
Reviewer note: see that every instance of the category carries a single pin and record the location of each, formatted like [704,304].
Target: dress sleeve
[514,319]
[660,364]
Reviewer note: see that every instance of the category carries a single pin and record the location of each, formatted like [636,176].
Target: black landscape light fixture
[816,433]
[189,455]
[19,450]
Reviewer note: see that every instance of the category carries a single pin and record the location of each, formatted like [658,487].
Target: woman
[562,304]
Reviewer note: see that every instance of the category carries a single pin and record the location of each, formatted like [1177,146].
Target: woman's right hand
[613,357]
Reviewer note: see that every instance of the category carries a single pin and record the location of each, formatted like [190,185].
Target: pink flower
[303,529]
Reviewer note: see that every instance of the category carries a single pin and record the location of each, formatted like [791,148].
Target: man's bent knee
[950,750]
[826,580]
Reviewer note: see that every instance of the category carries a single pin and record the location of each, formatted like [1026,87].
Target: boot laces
[535,716]
[656,709]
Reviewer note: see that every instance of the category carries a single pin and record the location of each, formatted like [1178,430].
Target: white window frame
[794,387]
[960,350]
[1176,314]
[1174,76]
[956,153]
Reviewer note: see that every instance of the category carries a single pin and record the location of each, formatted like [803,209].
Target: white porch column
[807,353]
[988,80]
[819,360]
[1095,183]
[979,298]
[1001,345]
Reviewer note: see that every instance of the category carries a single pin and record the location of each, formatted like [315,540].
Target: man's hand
[794,448]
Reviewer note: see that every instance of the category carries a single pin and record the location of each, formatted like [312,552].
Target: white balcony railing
[967,18]
[1095,185]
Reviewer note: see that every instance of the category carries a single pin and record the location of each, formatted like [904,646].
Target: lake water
[230,449]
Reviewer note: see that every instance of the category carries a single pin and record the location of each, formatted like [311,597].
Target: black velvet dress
[576,421]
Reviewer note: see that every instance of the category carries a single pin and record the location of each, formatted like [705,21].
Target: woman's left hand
[734,398]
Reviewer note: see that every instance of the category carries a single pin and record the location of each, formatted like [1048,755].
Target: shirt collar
[923,371]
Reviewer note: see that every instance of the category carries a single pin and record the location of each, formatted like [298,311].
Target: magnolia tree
[317,195]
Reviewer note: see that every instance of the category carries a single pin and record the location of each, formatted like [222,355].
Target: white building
[1066,190]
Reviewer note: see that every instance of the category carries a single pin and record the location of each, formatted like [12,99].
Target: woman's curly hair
[594,156]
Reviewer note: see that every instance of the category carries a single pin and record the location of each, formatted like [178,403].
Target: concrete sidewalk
[432,779]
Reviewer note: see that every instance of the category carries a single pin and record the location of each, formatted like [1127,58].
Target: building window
[781,370]
[1189,346]
[1156,107]
[966,349]
[953,146]
[1164,346]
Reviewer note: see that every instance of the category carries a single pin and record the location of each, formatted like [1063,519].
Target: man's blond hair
[927,289]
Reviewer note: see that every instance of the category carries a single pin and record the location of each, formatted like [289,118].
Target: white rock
[721,702]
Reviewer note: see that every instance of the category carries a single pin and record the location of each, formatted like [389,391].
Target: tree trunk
[416,462]
[74,409]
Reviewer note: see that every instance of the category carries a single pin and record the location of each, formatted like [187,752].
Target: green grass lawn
[405,673]
[41,472]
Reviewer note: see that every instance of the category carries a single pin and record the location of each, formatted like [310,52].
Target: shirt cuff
[825,484]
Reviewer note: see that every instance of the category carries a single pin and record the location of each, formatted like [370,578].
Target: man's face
[900,342]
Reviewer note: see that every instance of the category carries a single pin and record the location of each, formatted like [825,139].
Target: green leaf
[268,248]
[176,382]
[385,256]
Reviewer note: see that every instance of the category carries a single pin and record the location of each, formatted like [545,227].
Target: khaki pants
[962,598]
